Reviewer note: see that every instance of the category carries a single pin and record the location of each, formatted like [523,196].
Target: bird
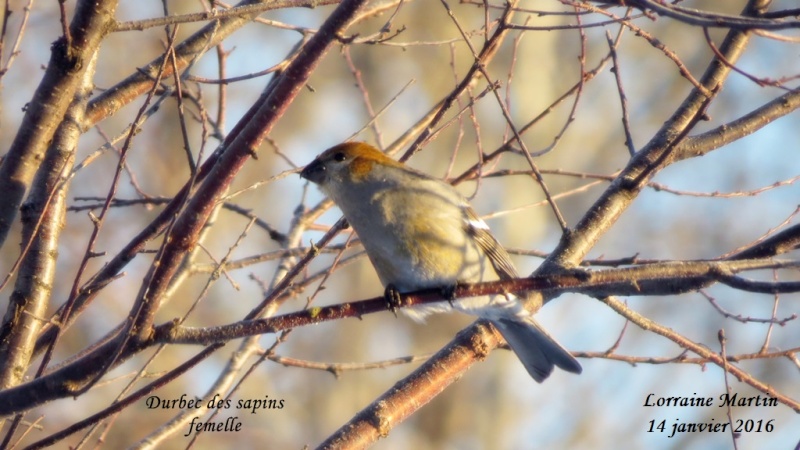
[419,232]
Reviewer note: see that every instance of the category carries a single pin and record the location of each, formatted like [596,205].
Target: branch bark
[68,61]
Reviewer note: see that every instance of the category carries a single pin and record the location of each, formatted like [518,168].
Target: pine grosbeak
[419,233]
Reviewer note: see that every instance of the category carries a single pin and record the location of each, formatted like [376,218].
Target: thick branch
[748,124]
[68,60]
[778,244]
[241,145]
[671,278]
[649,279]
[43,219]
[656,155]
[417,389]
[711,19]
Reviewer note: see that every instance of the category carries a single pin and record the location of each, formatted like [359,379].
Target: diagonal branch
[748,124]
[241,144]
[653,157]
[68,61]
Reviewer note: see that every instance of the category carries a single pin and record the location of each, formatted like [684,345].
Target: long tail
[537,350]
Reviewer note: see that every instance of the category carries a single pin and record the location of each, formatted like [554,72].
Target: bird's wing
[498,256]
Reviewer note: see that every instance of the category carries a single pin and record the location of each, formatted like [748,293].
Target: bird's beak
[314,172]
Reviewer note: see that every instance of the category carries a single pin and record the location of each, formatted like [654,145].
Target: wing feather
[498,256]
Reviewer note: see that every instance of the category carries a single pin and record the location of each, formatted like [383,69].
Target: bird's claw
[449,293]
[393,299]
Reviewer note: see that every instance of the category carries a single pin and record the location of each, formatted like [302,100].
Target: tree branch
[92,20]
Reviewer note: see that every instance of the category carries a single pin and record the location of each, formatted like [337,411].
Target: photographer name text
[713,426]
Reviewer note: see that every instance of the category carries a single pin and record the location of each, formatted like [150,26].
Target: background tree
[157,244]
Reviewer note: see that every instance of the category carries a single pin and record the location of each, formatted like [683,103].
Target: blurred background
[705,207]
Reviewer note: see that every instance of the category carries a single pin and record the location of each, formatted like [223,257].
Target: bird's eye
[339,156]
